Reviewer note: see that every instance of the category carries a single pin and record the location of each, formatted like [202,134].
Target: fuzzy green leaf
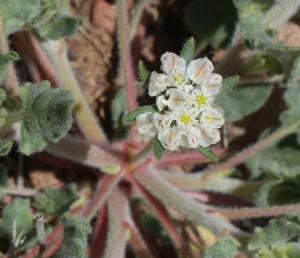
[60,26]
[291,250]
[212,21]
[158,149]
[208,153]
[144,74]
[56,201]
[76,230]
[5,59]
[47,115]
[18,210]
[15,13]
[277,232]
[131,116]
[223,248]
[188,50]
[227,85]
[5,147]
[244,100]
[255,37]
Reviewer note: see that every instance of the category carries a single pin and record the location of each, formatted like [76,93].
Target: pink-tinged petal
[170,138]
[171,62]
[190,138]
[213,85]
[199,70]
[208,136]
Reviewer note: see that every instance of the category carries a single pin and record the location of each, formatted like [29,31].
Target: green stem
[280,12]
[11,73]
[56,52]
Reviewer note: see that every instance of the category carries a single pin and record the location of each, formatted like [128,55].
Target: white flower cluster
[187,116]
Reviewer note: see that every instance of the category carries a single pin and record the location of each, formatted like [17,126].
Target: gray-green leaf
[5,147]
[131,116]
[223,248]
[228,84]
[276,233]
[47,115]
[144,74]
[158,149]
[188,50]
[208,153]
[56,201]
[5,59]
[244,100]
[76,230]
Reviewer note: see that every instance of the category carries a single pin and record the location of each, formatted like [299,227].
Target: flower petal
[177,99]
[171,62]
[145,125]
[191,138]
[212,117]
[208,136]
[213,85]
[170,138]
[162,122]
[161,102]
[199,70]
[158,83]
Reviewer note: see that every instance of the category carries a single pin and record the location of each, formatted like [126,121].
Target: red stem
[137,243]
[98,244]
[105,186]
[162,214]
[189,158]
[239,158]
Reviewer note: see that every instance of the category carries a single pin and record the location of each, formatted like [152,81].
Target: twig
[40,233]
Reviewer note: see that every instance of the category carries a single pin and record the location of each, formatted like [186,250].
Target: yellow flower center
[178,79]
[185,118]
[201,99]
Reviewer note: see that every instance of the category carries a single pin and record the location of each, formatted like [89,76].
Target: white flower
[213,85]
[170,138]
[212,117]
[145,125]
[172,63]
[163,122]
[191,138]
[178,100]
[199,70]
[158,83]
[186,118]
[208,136]
[161,102]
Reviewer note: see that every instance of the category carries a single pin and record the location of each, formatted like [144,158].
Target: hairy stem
[257,212]
[125,56]
[11,73]
[105,187]
[84,152]
[280,12]
[116,237]
[170,196]
[239,158]
[56,52]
